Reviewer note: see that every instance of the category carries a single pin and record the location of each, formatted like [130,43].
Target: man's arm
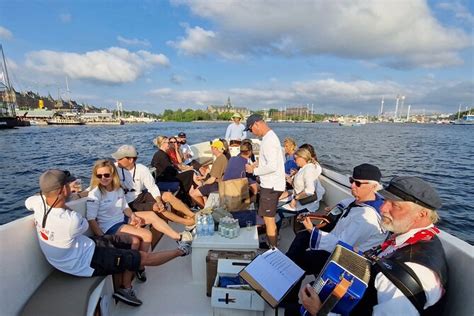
[78,225]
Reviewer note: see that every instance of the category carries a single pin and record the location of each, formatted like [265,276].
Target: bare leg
[177,204]
[271,228]
[158,224]
[127,277]
[142,233]
[197,197]
[177,219]
[159,258]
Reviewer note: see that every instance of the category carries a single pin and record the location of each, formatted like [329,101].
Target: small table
[247,240]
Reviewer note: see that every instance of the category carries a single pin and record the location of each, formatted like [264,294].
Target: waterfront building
[228,107]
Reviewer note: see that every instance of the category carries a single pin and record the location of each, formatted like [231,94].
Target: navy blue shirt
[236,169]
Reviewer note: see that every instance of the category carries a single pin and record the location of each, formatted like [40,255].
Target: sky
[334,56]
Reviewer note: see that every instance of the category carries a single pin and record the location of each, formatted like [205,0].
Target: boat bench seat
[62,294]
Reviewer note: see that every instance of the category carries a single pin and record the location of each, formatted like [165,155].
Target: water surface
[441,154]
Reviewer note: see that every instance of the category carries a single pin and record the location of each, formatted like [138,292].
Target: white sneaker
[185,236]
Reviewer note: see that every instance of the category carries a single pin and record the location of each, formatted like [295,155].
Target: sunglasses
[357,182]
[172,142]
[105,175]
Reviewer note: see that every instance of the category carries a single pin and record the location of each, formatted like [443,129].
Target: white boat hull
[23,268]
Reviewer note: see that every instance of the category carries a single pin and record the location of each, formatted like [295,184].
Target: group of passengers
[393,224]
[121,199]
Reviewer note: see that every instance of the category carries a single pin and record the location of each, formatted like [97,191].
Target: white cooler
[229,298]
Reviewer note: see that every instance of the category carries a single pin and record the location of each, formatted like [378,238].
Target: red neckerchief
[425,234]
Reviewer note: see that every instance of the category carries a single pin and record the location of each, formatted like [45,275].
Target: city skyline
[339,56]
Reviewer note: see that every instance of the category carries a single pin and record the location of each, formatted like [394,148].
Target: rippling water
[441,154]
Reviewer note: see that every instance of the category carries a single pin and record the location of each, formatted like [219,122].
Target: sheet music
[275,272]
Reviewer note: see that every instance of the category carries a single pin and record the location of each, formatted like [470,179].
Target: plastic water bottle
[199,226]
[204,226]
[210,225]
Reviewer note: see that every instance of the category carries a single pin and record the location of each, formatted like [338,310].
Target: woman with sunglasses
[166,171]
[108,212]
[308,191]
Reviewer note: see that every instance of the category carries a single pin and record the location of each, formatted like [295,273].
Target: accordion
[342,282]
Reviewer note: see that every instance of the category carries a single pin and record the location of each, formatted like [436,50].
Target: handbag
[234,194]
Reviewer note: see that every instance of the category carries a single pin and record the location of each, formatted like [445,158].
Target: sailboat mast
[9,87]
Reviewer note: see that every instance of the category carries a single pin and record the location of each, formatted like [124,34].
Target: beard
[183,142]
[396,226]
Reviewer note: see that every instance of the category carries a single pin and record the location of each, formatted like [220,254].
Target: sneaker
[186,236]
[141,275]
[185,248]
[190,228]
[127,296]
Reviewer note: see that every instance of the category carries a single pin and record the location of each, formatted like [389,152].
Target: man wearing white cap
[235,132]
[141,191]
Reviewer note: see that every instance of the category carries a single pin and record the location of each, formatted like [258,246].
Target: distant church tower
[228,104]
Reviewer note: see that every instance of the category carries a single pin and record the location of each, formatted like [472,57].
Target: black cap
[182,134]
[412,189]
[367,171]
[251,120]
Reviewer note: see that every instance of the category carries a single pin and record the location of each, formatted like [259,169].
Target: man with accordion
[408,272]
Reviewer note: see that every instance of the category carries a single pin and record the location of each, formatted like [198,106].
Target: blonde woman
[108,212]
[306,183]
[289,144]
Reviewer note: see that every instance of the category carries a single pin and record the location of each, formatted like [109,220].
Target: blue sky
[339,56]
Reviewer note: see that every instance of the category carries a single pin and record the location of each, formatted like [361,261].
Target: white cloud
[198,41]
[327,95]
[65,17]
[402,34]
[114,65]
[133,41]
[5,33]
[459,10]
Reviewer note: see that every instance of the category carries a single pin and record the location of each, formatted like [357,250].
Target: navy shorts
[113,255]
[114,229]
[209,188]
[268,202]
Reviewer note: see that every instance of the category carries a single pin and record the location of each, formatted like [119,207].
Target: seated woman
[291,167]
[166,170]
[236,167]
[306,184]
[108,212]
[200,194]
[175,154]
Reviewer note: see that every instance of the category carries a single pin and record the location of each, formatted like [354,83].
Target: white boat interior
[170,289]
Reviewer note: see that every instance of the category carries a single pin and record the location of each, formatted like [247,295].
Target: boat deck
[170,289]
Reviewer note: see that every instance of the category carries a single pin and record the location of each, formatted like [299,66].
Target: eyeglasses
[105,175]
[357,182]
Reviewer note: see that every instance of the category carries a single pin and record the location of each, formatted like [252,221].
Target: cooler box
[211,263]
[233,298]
